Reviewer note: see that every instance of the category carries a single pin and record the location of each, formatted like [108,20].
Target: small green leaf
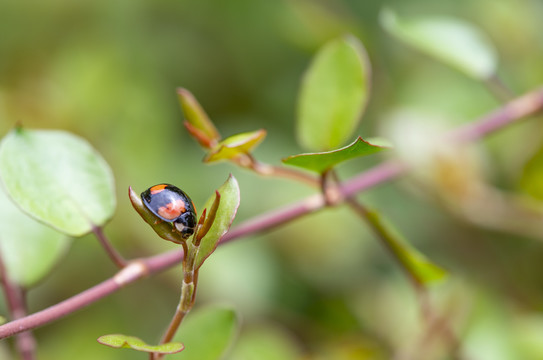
[58,178]
[531,181]
[28,248]
[333,95]
[236,145]
[200,126]
[230,198]
[415,263]
[207,333]
[323,161]
[162,228]
[453,41]
[120,341]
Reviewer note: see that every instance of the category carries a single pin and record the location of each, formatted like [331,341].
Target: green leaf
[414,262]
[236,145]
[333,95]
[230,197]
[452,41]
[120,341]
[58,178]
[323,161]
[531,181]
[200,126]
[28,249]
[207,333]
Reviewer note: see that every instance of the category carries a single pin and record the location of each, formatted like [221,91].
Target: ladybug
[171,204]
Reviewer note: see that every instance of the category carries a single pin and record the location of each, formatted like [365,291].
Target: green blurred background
[321,287]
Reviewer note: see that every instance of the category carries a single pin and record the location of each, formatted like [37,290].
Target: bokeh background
[321,287]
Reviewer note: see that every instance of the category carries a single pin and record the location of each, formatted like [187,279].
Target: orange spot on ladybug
[173,210]
[157,188]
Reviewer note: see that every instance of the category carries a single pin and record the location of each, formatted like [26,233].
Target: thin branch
[113,254]
[498,89]
[512,112]
[135,270]
[528,104]
[15,299]
[173,326]
[26,343]
[264,169]
[275,218]
[436,325]
[189,284]
[281,171]
[186,302]
[386,236]
[515,110]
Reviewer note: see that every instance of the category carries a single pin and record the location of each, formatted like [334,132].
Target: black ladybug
[171,204]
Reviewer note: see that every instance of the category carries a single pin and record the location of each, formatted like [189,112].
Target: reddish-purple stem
[16,302]
[148,266]
[113,254]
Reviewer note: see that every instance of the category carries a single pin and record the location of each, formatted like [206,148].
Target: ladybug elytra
[171,204]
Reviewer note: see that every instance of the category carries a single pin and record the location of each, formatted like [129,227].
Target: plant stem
[520,107]
[498,88]
[135,270]
[113,254]
[330,188]
[172,329]
[178,317]
[187,298]
[523,106]
[386,236]
[436,325]
[15,299]
[392,243]
[249,162]
[26,343]
[184,306]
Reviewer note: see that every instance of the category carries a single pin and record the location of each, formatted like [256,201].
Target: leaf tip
[183,92]
[379,142]
[134,197]
[201,127]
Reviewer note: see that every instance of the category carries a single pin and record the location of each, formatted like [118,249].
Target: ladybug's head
[185,224]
